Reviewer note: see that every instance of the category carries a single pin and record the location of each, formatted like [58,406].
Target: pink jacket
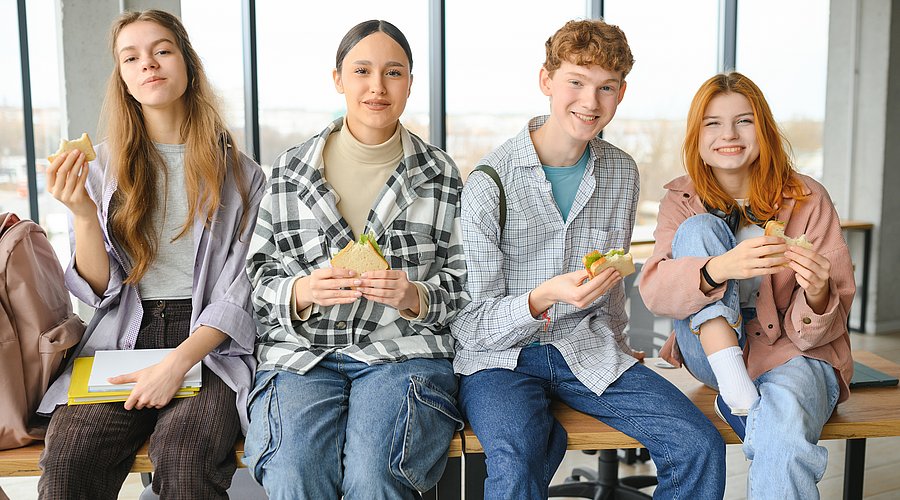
[785,326]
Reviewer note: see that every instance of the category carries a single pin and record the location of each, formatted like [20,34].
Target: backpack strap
[489,170]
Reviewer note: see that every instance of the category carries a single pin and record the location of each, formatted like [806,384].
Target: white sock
[735,385]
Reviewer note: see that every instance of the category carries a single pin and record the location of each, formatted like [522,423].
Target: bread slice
[82,144]
[776,228]
[360,256]
[595,262]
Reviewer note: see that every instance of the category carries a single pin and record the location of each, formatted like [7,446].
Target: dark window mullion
[727,35]
[437,45]
[27,112]
[251,81]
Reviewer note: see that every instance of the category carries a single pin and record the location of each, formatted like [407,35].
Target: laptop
[865,376]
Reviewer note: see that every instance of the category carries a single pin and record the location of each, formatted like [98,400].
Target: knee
[700,229]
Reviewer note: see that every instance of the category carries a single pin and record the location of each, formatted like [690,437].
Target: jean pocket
[425,425]
[264,432]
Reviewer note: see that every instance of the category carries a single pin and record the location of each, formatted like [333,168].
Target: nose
[729,131]
[148,63]
[377,86]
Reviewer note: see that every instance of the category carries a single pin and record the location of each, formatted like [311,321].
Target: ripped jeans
[350,429]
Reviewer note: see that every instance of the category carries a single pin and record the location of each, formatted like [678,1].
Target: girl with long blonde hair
[161,221]
[761,321]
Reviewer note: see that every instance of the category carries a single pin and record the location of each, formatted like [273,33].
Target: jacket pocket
[425,425]
[412,252]
[54,345]
[301,247]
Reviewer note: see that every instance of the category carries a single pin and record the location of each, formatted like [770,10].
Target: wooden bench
[868,413]
[24,462]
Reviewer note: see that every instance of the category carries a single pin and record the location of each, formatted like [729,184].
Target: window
[674,47]
[297,42]
[13,175]
[493,62]
[218,40]
[783,48]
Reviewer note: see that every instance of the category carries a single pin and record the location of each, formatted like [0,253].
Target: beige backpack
[37,327]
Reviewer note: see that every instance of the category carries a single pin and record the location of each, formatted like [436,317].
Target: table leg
[864,298]
[854,469]
[476,473]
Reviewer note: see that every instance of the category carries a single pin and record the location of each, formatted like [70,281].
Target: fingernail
[357,282]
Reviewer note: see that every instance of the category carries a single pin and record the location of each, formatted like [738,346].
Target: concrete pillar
[862,122]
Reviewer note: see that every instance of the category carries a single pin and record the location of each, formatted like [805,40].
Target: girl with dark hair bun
[162,220]
[355,394]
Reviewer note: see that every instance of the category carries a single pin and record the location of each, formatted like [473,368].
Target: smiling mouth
[585,118]
[731,149]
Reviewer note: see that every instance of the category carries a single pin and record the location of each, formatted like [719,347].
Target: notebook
[111,363]
[866,376]
[78,388]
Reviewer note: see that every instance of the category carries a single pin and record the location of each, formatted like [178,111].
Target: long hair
[364,29]
[771,175]
[209,152]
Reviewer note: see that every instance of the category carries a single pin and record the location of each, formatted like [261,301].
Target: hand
[154,386]
[66,177]
[572,288]
[639,355]
[326,287]
[812,272]
[391,288]
[750,258]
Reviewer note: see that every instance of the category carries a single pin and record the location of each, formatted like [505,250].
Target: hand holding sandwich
[750,258]
[572,288]
[813,272]
[391,288]
[326,287]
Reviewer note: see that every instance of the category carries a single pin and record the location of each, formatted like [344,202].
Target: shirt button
[770,327]
[757,334]
[341,325]
[806,321]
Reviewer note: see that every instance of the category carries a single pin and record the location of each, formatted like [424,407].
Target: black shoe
[738,423]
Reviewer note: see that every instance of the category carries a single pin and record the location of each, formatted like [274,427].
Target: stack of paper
[89,375]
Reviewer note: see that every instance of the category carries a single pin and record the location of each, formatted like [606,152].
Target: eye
[395,73]
[608,90]
[128,59]
[746,121]
[163,52]
[361,71]
[575,83]
[710,124]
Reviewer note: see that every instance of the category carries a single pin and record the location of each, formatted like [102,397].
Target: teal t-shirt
[564,182]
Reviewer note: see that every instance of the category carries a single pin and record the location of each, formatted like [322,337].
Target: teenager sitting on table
[536,330]
[763,322]
[161,224]
[355,392]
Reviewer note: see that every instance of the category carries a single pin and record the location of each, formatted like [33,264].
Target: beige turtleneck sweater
[358,172]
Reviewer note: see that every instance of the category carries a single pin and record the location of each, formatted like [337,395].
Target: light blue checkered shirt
[537,245]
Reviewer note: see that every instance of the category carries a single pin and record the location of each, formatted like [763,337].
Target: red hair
[771,176]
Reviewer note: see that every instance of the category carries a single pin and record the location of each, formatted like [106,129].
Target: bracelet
[708,279]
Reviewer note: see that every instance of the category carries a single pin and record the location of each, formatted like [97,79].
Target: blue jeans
[347,428]
[510,413]
[796,398]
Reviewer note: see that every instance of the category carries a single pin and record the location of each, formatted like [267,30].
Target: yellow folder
[78,388]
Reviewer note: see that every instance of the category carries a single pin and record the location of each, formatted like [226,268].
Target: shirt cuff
[423,304]
[295,314]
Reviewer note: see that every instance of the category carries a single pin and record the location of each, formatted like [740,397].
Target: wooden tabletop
[856,224]
[869,412]
[24,461]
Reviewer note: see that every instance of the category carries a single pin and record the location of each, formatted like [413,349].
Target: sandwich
[82,144]
[361,256]
[616,258]
[776,228]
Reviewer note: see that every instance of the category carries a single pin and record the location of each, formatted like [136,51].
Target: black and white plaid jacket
[415,220]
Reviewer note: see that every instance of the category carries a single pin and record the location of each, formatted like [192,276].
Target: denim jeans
[350,429]
[510,413]
[796,398]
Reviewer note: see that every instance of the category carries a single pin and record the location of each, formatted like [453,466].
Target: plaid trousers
[90,449]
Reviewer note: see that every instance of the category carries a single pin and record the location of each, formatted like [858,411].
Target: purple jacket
[221,289]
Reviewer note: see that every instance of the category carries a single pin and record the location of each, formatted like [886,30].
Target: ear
[545,81]
[622,91]
[338,84]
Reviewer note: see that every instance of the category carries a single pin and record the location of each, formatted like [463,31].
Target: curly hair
[589,42]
